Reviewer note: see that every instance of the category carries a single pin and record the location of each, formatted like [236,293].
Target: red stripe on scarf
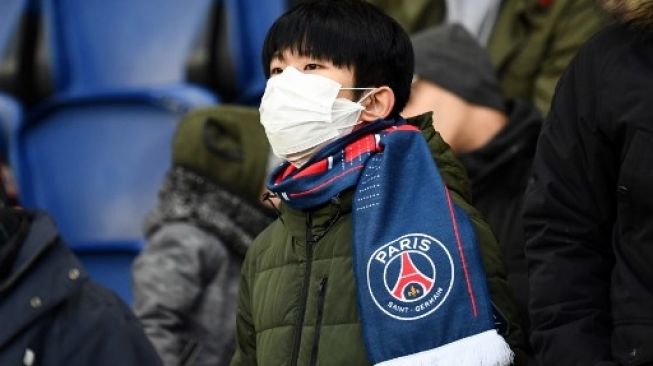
[461,252]
[404,128]
[314,169]
[319,186]
[285,173]
[363,145]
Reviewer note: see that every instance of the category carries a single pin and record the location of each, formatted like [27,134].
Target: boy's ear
[378,105]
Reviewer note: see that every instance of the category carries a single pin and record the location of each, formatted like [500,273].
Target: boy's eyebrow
[277,55]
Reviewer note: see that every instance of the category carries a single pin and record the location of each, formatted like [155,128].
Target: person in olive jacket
[298,293]
[530,42]
[589,209]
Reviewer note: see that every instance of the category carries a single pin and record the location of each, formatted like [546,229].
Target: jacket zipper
[307,278]
[189,353]
[318,320]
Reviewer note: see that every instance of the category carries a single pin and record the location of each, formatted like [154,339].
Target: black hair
[348,33]
[3,194]
[14,228]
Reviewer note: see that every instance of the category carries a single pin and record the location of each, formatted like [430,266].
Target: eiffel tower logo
[412,283]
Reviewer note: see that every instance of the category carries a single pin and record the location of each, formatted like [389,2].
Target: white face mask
[301,112]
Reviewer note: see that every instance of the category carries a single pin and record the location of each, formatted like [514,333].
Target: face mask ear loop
[365,97]
[371,91]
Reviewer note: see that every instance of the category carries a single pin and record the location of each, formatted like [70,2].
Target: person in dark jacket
[589,209]
[494,138]
[51,313]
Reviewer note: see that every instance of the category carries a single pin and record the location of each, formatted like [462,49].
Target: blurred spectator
[186,279]
[530,41]
[51,313]
[7,179]
[10,191]
[493,138]
[589,206]
[7,182]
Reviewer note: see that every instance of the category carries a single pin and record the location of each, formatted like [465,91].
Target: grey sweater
[186,279]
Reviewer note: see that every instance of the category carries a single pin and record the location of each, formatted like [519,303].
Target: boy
[371,261]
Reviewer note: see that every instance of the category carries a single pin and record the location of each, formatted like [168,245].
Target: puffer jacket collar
[189,197]
[44,275]
[322,218]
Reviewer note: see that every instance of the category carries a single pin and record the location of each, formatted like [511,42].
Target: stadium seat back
[10,13]
[100,45]
[96,168]
[248,23]
[111,268]
[10,117]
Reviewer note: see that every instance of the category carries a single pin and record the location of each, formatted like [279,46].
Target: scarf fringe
[483,349]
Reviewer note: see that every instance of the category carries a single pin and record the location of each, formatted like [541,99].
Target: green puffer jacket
[531,43]
[287,281]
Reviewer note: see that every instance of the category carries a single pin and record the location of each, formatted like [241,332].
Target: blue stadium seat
[96,164]
[10,12]
[10,111]
[101,45]
[248,23]
[10,117]
[95,155]
[111,267]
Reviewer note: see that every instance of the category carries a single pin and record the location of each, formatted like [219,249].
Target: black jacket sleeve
[568,218]
[97,328]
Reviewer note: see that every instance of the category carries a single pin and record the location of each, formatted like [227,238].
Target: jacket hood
[189,197]
[636,11]
[227,145]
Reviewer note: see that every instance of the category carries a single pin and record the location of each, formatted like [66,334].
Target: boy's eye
[312,67]
[276,71]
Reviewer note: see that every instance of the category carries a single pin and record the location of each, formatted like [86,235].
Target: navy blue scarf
[422,291]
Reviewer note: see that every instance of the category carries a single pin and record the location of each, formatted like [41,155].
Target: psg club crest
[410,277]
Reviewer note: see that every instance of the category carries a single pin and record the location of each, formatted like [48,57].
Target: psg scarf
[422,291]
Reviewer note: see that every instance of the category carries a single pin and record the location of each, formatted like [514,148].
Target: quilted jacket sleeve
[245,334]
